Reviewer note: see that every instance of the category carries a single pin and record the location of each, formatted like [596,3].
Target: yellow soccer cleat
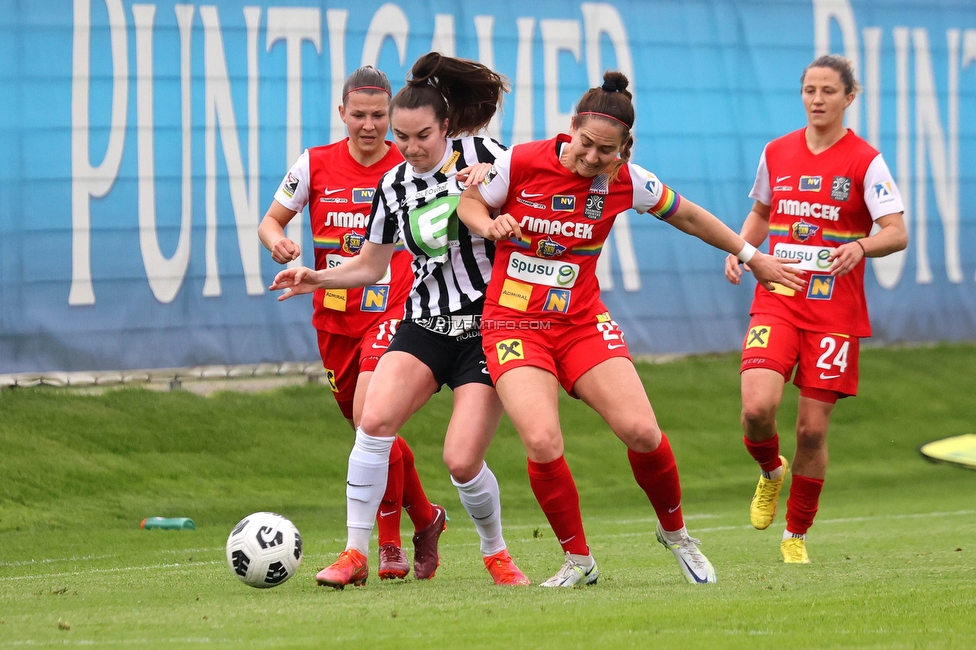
[762,510]
[794,550]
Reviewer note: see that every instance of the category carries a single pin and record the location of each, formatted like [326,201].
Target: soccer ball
[264,550]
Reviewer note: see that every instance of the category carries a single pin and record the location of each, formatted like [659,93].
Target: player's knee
[639,436]
[378,424]
[810,437]
[543,445]
[757,414]
[462,465]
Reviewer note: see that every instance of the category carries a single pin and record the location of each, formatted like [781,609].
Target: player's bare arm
[271,231]
[695,220]
[476,215]
[892,238]
[754,231]
[366,268]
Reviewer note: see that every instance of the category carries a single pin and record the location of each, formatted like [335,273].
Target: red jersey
[816,203]
[565,219]
[339,193]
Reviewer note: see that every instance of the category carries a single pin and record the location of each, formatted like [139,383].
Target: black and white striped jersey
[451,266]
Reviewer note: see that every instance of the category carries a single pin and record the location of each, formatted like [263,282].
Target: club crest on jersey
[803,231]
[809,183]
[549,247]
[821,287]
[362,194]
[290,185]
[840,188]
[563,203]
[594,206]
[352,242]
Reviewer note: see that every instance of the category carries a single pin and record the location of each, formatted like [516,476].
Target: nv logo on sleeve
[758,336]
[509,350]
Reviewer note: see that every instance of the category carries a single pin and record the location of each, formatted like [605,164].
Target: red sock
[766,452]
[415,500]
[388,514]
[803,503]
[657,474]
[556,492]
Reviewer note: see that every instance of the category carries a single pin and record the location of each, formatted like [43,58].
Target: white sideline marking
[112,570]
[56,559]
[90,642]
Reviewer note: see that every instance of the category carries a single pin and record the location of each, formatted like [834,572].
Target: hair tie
[609,117]
[610,87]
[366,88]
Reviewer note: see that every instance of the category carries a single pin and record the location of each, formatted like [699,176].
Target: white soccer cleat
[572,574]
[695,566]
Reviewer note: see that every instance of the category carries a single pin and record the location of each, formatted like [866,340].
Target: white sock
[675,535]
[366,476]
[775,474]
[481,499]
[787,535]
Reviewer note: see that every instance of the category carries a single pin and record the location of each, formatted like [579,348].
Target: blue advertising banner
[141,143]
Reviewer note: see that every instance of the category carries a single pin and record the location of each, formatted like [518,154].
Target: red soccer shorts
[565,350]
[345,357]
[825,363]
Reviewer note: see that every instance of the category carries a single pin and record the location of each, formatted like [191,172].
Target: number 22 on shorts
[833,362]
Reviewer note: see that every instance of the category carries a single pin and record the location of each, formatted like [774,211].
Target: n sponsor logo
[821,287]
[375,297]
[557,300]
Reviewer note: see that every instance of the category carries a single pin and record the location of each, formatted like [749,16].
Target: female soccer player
[438,341]
[818,193]
[558,199]
[355,326]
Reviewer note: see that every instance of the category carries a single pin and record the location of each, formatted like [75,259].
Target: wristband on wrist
[863,250]
[747,253]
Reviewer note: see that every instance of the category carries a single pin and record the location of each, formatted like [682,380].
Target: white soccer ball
[264,550]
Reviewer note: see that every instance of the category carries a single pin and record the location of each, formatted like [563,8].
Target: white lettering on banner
[346,219]
[165,276]
[87,181]
[934,144]
[795,208]
[812,258]
[546,272]
[564,228]
[293,25]
[220,114]
[924,114]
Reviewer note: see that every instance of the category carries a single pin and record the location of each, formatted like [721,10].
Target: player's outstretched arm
[697,221]
[366,268]
[755,229]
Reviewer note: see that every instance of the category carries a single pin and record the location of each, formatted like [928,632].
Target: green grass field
[893,548]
